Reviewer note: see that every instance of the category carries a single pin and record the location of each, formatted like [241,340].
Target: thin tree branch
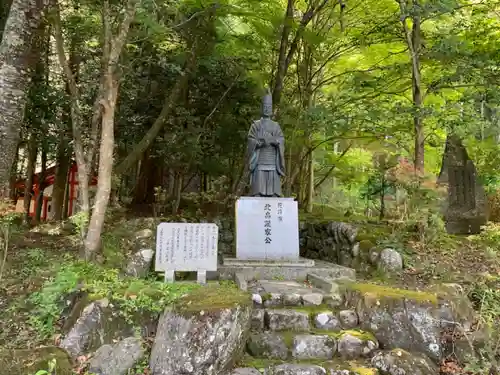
[334,165]
[220,100]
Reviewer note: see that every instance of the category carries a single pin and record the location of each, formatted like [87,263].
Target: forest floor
[430,256]
[42,265]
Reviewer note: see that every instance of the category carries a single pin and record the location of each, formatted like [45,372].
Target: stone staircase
[298,329]
[316,318]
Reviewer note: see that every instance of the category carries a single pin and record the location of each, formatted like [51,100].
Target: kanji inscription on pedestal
[267,228]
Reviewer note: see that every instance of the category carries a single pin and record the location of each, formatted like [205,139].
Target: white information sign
[186,247]
[267,228]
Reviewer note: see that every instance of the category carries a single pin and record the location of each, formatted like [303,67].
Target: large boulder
[203,334]
[410,320]
[390,261]
[117,359]
[100,323]
[140,263]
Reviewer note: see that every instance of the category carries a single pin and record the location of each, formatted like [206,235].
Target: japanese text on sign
[186,247]
[267,223]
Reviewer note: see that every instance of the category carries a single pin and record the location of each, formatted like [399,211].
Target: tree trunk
[28,185]
[281,68]
[284,62]
[41,185]
[63,159]
[76,121]
[14,176]
[4,13]
[65,208]
[417,96]
[93,239]
[310,187]
[177,192]
[33,118]
[169,105]
[112,49]
[21,25]
[63,162]
[414,42]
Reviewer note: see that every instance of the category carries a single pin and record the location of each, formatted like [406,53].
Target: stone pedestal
[267,229]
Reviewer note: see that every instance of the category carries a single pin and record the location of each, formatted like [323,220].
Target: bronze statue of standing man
[266,151]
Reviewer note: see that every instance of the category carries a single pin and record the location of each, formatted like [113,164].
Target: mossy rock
[29,361]
[365,246]
[213,298]
[382,291]
[362,335]
[72,316]
[364,370]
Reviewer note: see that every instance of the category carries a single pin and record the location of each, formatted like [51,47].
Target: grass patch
[212,298]
[29,361]
[131,294]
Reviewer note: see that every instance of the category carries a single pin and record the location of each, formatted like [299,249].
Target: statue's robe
[267,162]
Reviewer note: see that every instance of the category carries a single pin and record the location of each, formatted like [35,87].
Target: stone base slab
[235,262]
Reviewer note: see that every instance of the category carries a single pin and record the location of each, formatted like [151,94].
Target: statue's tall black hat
[268,98]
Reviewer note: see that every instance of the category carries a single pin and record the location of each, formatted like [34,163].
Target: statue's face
[267,110]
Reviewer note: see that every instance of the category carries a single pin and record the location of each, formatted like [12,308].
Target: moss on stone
[366,237]
[258,363]
[266,297]
[312,311]
[288,338]
[365,246]
[335,364]
[29,361]
[213,298]
[364,370]
[390,292]
[362,335]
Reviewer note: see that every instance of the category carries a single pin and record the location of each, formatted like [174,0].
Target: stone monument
[467,207]
[266,154]
[267,224]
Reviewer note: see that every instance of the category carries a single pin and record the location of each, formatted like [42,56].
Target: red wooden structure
[49,181]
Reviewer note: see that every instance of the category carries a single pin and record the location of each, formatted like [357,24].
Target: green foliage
[485,294]
[130,294]
[9,223]
[80,220]
[50,370]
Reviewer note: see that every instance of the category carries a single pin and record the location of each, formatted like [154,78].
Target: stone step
[254,270]
[274,293]
[253,366]
[303,319]
[326,283]
[315,345]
